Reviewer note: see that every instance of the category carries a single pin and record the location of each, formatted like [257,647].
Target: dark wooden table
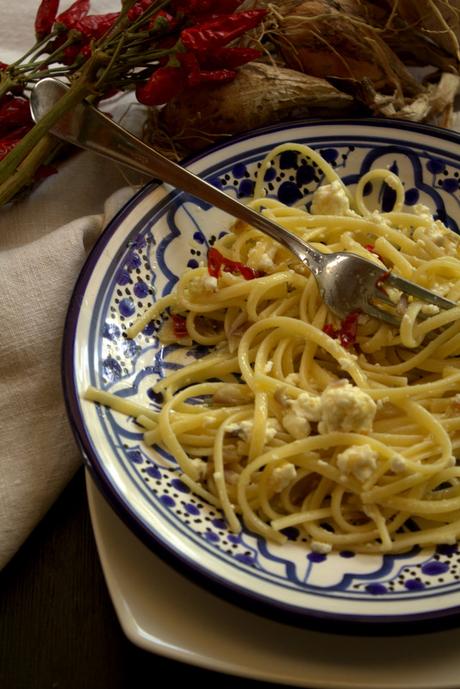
[58,628]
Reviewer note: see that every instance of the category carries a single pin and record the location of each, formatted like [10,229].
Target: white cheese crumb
[344,407]
[359,460]
[398,464]
[268,366]
[293,379]
[422,211]
[303,410]
[282,476]
[297,426]
[307,405]
[231,477]
[320,547]
[244,429]
[209,283]
[331,199]
[430,309]
[203,284]
[201,466]
[261,256]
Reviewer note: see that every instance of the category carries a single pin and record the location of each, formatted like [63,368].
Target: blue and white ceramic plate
[137,260]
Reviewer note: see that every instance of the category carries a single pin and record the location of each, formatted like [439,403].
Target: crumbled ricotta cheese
[201,466]
[320,547]
[422,211]
[430,309]
[359,460]
[307,405]
[282,476]
[434,232]
[331,199]
[377,217]
[261,256]
[292,378]
[302,411]
[297,426]
[205,284]
[231,477]
[209,283]
[244,429]
[344,407]
[398,464]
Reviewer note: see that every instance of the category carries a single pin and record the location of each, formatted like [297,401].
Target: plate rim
[408,623]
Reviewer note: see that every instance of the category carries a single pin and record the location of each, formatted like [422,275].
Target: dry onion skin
[260,94]
[438,21]
[319,39]
[327,58]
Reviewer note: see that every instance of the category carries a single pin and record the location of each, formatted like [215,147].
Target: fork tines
[418,292]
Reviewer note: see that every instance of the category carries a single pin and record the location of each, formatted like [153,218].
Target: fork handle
[90,129]
[129,147]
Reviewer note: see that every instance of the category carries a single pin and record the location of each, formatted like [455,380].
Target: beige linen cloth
[44,240]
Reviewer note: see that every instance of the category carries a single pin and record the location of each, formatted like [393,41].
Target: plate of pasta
[301,465]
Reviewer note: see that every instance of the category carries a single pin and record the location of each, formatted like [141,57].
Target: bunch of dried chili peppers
[155,48]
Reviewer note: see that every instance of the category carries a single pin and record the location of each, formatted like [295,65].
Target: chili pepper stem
[25,172]
[111,62]
[6,85]
[35,49]
[38,68]
[80,88]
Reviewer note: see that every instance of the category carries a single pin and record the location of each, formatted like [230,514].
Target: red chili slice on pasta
[179,326]
[216,262]
[347,332]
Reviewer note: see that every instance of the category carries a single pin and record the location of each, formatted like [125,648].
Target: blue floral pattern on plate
[139,259]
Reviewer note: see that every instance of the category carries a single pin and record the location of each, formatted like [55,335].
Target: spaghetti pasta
[346,431]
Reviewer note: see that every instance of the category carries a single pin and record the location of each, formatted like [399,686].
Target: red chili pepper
[71,53]
[86,51]
[165,83]
[229,58]
[44,171]
[195,75]
[218,32]
[216,261]
[7,146]
[10,140]
[330,330]
[3,66]
[14,113]
[201,8]
[139,8]
[371,248]
[44,19]
[162,21]
[212,75]
[109,93]
[347,332]
[73,14]
[179,326]
[349,329]
[94,26]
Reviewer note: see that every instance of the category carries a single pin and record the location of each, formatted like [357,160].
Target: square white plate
[163,612]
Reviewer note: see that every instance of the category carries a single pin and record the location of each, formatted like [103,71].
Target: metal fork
[347,282]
